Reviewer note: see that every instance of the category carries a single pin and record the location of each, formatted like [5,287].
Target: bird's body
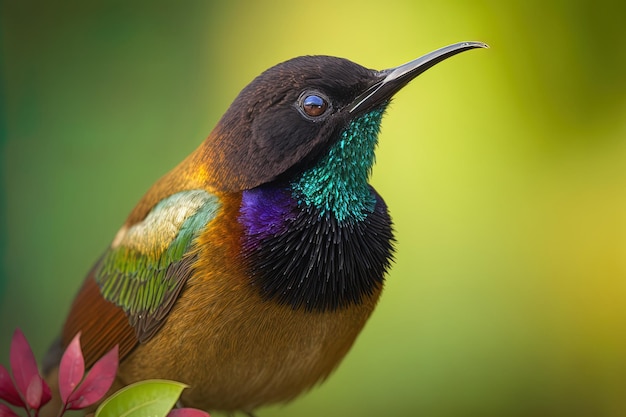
[248,271]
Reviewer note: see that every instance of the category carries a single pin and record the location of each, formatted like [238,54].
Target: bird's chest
[300,256]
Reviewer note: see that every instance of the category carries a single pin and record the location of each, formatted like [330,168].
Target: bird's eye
[313,104]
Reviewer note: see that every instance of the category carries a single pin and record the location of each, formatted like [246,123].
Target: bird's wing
[131,290]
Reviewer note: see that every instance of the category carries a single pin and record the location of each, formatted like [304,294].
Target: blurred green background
[505,170]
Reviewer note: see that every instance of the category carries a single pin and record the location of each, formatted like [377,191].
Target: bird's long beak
[393,79]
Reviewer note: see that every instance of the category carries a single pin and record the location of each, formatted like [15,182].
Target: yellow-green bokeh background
[505,171]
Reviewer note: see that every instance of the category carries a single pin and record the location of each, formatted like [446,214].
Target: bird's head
[291,115]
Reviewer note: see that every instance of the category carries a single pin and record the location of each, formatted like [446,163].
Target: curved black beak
[393,79]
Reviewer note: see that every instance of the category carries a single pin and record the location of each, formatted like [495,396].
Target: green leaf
[150,398]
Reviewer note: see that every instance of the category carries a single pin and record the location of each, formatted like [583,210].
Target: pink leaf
[71,368]
[7,390]
[38,393]
[34,392]
[23,362]
[97,382]
[187,412]
[5,411]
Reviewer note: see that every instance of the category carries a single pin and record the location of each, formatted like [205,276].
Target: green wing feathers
[149,262]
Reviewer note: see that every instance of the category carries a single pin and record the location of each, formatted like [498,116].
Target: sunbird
[248,271]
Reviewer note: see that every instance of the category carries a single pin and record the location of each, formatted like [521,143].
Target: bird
[248,271]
